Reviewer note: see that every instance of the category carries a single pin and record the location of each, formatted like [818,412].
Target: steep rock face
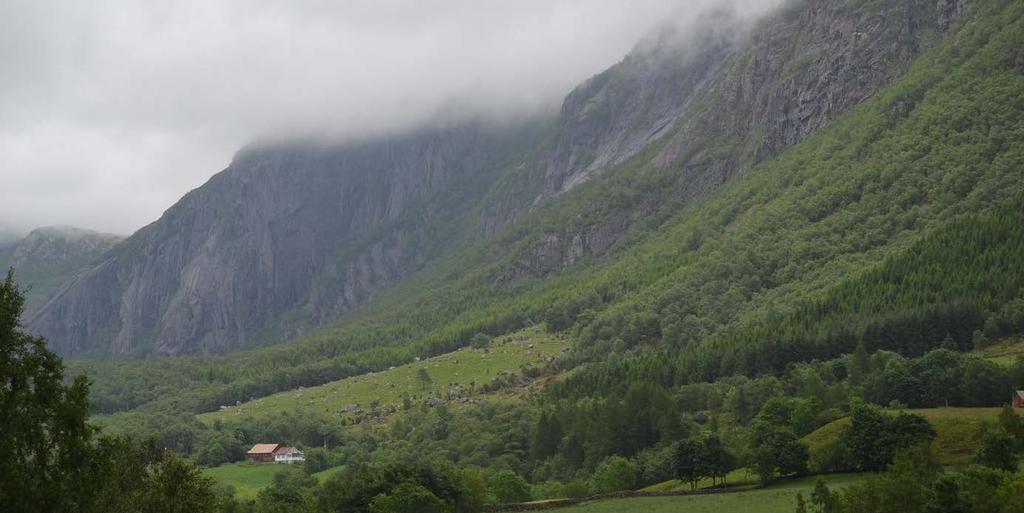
[795,72]
[300,230]
[799,71]
[47,257]
[617,113]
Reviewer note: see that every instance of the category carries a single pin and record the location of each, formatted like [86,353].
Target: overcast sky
[111,110]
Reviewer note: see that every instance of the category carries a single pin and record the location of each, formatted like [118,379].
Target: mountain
[795,72]
[287,236]
[768,271]
[292,236]
[49,257]
[693,275]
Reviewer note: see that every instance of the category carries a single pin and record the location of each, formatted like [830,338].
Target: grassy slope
[1006,352]
[957,429]
[324,475]
[780,498]
[740,476]
[463,367]
[247,478]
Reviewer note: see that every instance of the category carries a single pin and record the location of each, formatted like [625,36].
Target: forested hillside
[938,144]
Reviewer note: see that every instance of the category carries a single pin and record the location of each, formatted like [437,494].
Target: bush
[615,474]
[316,460]
[578,489]
[506,486]
[549,490]
[874,437]
[830,457]
[998,451]
[407,498]
[655,466]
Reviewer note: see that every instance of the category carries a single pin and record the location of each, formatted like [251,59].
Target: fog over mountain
[109,112]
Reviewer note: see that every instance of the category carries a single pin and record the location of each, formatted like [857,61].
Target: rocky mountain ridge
[796,72]
[306,231]
[291,237]
[50,256]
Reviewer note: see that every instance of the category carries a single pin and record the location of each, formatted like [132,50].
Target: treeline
[624,406]
[962,279]
[565,439]
[405,479]
[958,288]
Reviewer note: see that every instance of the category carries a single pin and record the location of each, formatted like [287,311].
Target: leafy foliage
[873,437]
[56,461]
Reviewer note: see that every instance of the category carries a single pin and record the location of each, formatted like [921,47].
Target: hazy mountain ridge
[254,243]
[291,237]
[48,257]
[797,71]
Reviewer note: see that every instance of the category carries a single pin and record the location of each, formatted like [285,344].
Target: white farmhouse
[289,455]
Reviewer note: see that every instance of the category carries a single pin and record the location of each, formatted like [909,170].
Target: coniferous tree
[860,365]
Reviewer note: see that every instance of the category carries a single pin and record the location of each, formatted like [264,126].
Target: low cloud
[111,110]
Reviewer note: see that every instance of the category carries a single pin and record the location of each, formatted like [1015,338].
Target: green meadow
[778,498]
[468,368]
[957,432]
[246,478]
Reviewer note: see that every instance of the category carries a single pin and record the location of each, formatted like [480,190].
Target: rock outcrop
[286,238]
[724,105]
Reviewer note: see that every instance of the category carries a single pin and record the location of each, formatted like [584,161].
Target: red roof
[264,449]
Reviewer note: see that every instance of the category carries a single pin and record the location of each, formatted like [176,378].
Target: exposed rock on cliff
[285,238]
[724,107]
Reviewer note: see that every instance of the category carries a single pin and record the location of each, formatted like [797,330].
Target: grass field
[247,478]
[780,498]
[740,476]
[324,475]
[956,430]
[1005,352]
[387,388]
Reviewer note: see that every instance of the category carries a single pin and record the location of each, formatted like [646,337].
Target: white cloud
[110,110]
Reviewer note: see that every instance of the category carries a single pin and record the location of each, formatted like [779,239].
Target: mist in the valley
[111,110]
